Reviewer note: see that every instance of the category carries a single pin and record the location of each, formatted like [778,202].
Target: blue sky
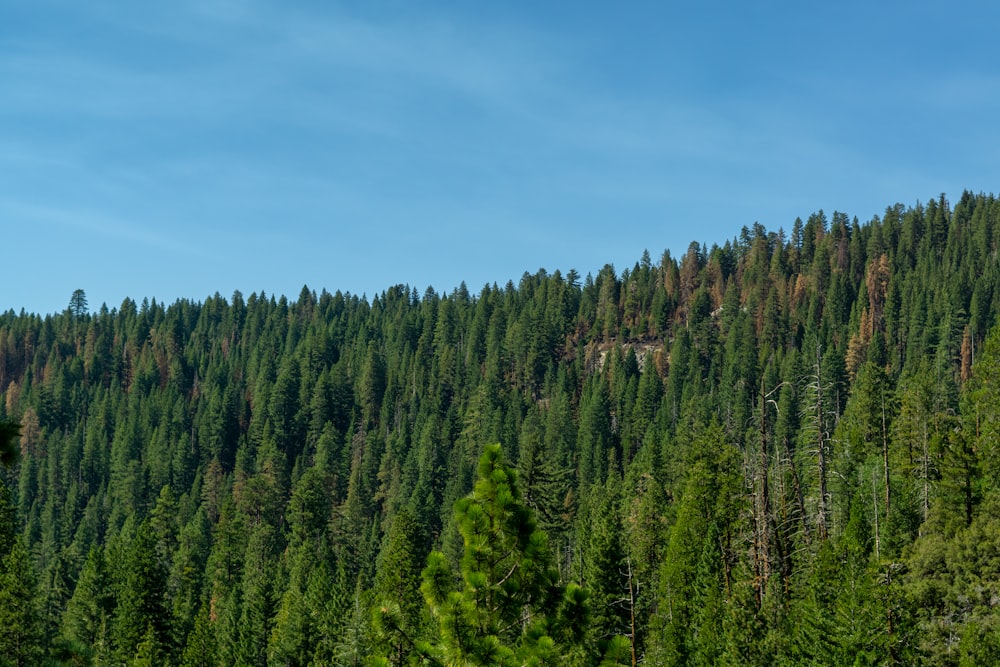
[174,150]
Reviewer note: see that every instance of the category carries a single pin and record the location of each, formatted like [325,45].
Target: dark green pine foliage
[200,647]
[510,607]
[860,619]
[90,611]
[545,481]
[689,573]
[708,644]
[22,640]
[595,439]
[607,570]
[293,640]
[10,453]
[259,605]
[141,622]
[186,580]
[399,607]
[272,448]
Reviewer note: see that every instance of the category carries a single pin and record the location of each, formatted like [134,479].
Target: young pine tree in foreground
[510,608]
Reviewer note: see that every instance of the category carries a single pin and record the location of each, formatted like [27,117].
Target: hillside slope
[779,450]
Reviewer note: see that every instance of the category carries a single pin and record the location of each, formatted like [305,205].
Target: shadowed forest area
[783,449]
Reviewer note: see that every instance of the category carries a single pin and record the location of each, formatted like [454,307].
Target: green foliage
[201,647]
[21,642]
[259,480]
[78,303]
[398,617]
[510,608]
[10,453]
[607,570]
[141,621]
[89,612]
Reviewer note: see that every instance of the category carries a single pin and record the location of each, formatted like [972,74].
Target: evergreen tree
[142,613]
[607,570]
[398,603]
[510,607]
[90,610]
[200,647]
[258,600]
[288,463]
[78,303]
[21,642]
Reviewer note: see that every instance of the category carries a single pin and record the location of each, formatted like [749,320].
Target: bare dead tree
[764,520]
[816,412]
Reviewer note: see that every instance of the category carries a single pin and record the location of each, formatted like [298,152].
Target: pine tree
[90,610]
[293,639]
[201,646]
[78,303]
[510,607]
[607,570]
[142,614]
[398,603]
[258,600]
[21,641]
[710,604]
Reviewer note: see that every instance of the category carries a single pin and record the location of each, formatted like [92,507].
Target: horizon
[474,291]
[180,151]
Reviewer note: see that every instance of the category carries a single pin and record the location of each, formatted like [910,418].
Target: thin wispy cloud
[54,220]
[398,139]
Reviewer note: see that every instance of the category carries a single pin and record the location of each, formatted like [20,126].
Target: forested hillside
[783,449]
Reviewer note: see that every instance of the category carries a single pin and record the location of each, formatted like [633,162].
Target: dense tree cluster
[780,450]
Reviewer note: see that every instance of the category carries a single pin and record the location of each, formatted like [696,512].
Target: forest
[781,449]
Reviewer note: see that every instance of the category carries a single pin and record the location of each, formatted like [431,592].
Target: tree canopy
[779,449]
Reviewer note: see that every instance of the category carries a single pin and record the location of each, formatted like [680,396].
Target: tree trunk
[821,518]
